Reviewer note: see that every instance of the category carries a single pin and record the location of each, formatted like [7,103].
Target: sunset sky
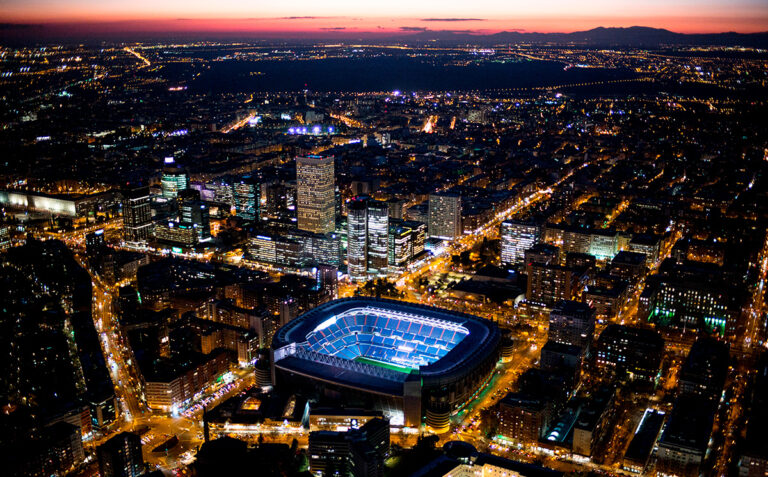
[349,17]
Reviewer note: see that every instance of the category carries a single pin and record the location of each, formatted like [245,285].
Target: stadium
[415,363]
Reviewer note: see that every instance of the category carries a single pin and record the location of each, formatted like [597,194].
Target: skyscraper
[516,238]
[445,216]
[174,179]
[367,238]
[137,216]
[316,208]
[194,211]
[378,237]
[247,195]
[400,244]
[357,243]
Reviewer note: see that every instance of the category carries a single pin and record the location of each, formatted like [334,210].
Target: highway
[138,55]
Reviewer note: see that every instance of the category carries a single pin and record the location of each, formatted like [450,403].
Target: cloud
[454,19]
[414,28]
[333,28]
[305,18]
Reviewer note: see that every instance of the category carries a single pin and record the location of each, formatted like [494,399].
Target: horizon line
[159,28]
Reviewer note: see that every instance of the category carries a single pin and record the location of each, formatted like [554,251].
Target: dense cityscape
[384,258]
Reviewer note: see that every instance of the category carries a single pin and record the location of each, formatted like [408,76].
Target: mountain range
[632,36]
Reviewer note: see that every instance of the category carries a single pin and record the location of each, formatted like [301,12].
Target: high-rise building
[400,244]
[316,208]
[418,235]
[378,238]
[247,196]
[121,456]
[137,214]
[445,216]
[516,238]
[357,239]
[406,242]
[368,237]
[194,211]
[174,179]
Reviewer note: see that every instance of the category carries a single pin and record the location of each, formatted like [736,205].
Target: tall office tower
[121,456]
[247,195]
[357,239]
[516,238]
[174,179]
[194,211]
[316,208]
[418,235]
[572,323]
[378,238]
[400,244]
[137,215]
[445,216]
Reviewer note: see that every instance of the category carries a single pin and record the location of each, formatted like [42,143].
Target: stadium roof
[479,337]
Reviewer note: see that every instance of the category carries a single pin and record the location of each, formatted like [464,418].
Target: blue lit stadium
[408,360]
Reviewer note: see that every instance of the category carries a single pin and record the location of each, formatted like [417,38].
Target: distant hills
[637,36]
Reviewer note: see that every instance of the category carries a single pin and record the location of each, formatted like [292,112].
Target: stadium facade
[417,364]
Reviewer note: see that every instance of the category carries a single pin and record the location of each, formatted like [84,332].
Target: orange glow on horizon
[348,18]
[398,26]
